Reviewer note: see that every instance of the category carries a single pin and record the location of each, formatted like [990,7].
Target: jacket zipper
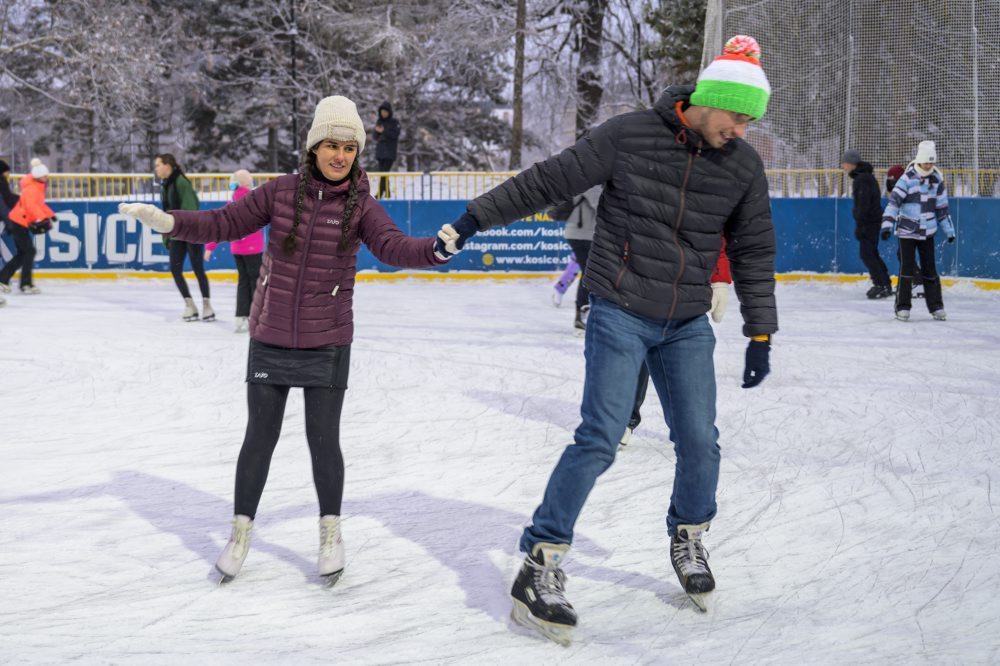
[677,228]
[621,273]
[302,270]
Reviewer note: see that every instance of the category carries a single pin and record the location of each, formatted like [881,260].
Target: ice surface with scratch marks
[859,499]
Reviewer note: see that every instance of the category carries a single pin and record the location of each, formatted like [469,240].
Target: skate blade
[701,600]
[208,318]
[194,318]
[224,578]
[560,633]
[331,579]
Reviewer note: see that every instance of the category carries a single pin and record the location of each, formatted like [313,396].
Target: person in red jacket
[301,321]
[30,215]
[247,253]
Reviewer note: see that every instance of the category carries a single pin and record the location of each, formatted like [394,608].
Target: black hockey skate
[690,560]
[538,594]
[580,322]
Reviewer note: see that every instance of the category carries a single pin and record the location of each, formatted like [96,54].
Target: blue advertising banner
[814,235]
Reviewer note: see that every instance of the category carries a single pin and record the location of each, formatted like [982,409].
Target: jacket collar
[314,185]
[666,108]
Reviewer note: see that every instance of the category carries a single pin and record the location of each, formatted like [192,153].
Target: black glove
[951,239]
[466,227]
[885,234]
[757,366]
[41,226]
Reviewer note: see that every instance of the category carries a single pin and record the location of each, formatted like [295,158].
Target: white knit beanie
[38,170]
[926,153]
[336,118]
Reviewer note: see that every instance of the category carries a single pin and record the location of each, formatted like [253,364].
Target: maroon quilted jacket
[303,300]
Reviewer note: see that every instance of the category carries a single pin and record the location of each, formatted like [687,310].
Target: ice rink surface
[858,521]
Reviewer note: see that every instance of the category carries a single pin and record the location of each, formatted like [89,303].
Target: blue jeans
[679,356]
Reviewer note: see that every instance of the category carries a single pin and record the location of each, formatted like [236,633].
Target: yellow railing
[464,185]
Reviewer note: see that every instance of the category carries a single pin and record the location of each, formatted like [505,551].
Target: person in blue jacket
[917,206]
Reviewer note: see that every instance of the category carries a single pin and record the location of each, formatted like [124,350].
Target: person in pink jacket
[247,253]
[301,322]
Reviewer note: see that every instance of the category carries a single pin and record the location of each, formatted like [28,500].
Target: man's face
[848,167]
[719,126]
[384,113]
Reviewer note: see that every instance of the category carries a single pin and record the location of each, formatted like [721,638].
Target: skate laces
[240,539]
[328,536]
[550,582]
[690,553]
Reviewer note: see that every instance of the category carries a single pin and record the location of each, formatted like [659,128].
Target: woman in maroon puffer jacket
[301,321]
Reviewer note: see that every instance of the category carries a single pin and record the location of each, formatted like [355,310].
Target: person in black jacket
[386,136]
[677,179]
[7,202]
[867,220]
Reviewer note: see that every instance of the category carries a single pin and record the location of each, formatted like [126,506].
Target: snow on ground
[857,518]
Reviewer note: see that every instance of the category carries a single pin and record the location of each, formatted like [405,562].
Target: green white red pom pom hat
[735,80]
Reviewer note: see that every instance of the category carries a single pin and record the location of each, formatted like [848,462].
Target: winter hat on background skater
[38,170]
[926,152]
[243,177]
[851,156]
[336,118]
[735,80]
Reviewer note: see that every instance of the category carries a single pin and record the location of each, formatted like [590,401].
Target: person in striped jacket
[917,206]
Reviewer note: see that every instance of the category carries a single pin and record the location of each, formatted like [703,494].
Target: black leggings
[196,253]
[909,248]
[24,258]
[266,404]
[248,269]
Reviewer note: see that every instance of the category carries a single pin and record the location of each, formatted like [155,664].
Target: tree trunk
[588,76]
[272,149]
[517,131]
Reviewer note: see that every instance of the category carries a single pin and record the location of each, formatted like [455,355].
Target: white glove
[720,296]
[149,215]
[445,248]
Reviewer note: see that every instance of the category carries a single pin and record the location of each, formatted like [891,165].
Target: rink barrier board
[815,236]
[231,276]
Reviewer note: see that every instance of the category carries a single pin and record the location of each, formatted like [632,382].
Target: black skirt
[325,367]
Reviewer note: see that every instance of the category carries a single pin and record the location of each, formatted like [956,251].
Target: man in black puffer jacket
[677,179]
[867,220]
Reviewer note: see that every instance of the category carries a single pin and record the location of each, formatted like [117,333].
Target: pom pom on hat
[735,81]
[336,118]
[38,170]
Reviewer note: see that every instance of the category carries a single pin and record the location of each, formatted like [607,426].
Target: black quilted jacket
[668,198]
